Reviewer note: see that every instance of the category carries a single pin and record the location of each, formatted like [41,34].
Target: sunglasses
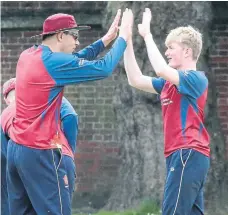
[75,35]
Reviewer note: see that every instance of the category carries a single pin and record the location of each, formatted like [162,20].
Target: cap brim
[82,27]
[79,28]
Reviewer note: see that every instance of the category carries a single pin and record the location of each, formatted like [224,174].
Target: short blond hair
[188,36]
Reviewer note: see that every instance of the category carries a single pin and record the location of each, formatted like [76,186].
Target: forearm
[132,69]
[68,69]
[92,51]
[106,41]
[134,74]
[156,59]
[113,57]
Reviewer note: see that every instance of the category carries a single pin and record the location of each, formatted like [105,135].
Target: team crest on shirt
[185,73]
[166,101]
[81,62]
[65,179]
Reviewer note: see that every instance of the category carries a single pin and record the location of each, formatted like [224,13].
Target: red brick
[225,125]
[223,114]
[84,187]
[5,53]
[223,46]
[109,150]
[219,59]
[117,150]
[9,4]
[222,76]
[222,101]
[12,46]
[222,88]
[87,155]
[87,144]
[28,34]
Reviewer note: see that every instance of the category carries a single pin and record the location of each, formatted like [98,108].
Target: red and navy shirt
[41,76]
[6,118]
[183,112]
[6,122]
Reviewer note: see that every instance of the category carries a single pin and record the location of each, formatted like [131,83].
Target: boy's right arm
[134,74]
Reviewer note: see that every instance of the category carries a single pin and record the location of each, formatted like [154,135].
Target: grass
[148,207]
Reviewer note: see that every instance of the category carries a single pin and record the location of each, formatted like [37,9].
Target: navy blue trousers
[4,191]
[71,173]
[186,174]
[37,181]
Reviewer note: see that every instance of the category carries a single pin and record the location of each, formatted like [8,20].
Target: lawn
[148,207]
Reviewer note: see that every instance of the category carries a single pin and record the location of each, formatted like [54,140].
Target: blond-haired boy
[183,93]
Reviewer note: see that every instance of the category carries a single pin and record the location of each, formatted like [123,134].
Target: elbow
[161,71]
[108,71]
[133,83]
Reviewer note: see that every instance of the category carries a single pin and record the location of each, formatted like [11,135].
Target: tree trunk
[142,173]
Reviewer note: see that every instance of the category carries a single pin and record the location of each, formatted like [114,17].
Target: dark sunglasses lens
[74,35]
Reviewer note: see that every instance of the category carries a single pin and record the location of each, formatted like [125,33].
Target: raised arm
[93,50]
[68,69]
[157,61]
[134,74]
[135,77]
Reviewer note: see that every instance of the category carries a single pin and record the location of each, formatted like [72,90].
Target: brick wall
[219,63]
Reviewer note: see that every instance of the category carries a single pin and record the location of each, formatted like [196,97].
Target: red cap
[8,86]
[59,22]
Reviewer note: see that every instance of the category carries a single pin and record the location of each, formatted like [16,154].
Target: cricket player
[9,97]
[36,172]
[183,92]
[69,119]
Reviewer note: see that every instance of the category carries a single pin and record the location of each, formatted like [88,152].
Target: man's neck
[51,45]
[188,66]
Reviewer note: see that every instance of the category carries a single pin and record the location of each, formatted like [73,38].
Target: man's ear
[59,36]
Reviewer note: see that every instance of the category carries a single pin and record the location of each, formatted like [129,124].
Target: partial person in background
[69,119]
[8,91]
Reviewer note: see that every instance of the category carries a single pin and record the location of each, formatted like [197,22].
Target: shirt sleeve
[69,121]
[66,109]
[92,51]
[158,84]
[4,141]
[68,69]
[192,83]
